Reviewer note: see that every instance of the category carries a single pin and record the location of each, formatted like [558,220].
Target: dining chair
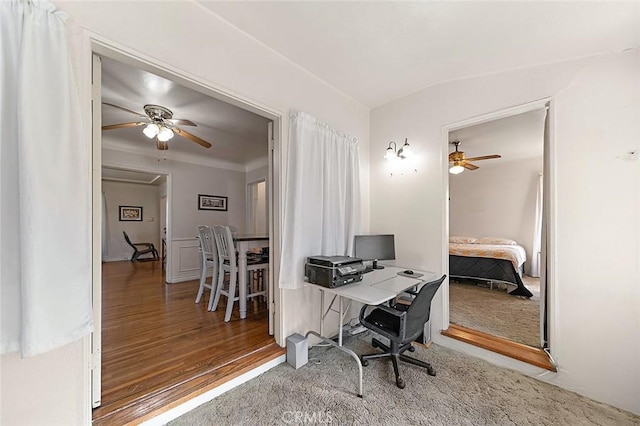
[209,259]
[228,262]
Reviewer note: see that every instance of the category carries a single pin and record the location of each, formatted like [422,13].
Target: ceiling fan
[459,162]
[160,124]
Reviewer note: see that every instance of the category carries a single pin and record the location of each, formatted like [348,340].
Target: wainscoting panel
[185,260]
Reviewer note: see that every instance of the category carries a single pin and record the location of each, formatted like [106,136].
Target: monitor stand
[376,266]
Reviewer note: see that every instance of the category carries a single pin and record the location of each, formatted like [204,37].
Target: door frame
[549,157]
[95,45]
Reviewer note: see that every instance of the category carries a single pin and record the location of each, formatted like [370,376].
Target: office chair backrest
[420,309]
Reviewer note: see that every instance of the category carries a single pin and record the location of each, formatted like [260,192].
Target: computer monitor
[374,248]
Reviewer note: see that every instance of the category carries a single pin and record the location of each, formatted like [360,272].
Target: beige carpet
[496,312]
[466,391]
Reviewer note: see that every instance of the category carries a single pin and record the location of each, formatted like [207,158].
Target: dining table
[243,243]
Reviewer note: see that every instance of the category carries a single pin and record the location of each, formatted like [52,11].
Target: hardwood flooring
[524,353]
[159,348]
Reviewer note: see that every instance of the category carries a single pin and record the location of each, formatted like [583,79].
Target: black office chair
[141,248]
[401,324]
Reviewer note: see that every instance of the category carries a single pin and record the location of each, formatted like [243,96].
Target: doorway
[495,202]
[170,216]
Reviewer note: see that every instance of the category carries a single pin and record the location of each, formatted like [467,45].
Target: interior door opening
[497,201]
[137,281]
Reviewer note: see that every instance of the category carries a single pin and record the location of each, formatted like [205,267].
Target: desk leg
[341,316]
[345,350]
[321,313]
[242,278]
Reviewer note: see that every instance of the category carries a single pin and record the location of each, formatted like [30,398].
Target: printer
[333,271]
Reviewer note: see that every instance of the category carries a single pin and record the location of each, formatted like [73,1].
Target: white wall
[44,390]
[147,231]
[496,200]
[193,41]
[187,181]
[595,293]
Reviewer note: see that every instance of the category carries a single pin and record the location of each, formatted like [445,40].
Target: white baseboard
[181,409]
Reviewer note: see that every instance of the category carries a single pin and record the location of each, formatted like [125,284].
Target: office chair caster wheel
[431,371]
[412,349]
[365,362]
[400,383]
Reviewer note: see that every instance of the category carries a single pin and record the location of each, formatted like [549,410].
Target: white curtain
[45,215]
[537,232]
[322,196]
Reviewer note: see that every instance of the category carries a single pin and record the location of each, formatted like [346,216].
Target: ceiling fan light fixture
[165,134]
[456,168]
[151,130]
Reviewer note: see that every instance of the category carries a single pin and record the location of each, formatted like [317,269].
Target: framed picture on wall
[212,202]
[130,214]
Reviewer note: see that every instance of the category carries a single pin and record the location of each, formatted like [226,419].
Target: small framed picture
[212,202]
[130,214]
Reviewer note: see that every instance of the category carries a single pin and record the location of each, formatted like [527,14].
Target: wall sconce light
[402,153]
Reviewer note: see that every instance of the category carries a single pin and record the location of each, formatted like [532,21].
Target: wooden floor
[506,347]
[159,348]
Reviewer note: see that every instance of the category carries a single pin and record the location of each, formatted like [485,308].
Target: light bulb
[390,155]
[405,151]
[151,130]
[456,169]
[165,134]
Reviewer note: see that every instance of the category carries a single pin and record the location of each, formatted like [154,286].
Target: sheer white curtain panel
[322,195]
[45,215]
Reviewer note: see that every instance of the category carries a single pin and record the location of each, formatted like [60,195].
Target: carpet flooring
[466,391]
[496,312]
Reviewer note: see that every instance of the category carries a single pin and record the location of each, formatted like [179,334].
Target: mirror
[495,226]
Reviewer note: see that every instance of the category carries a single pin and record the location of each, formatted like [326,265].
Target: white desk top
[379,285]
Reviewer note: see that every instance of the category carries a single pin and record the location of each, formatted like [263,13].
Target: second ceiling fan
[160,124]
[458,162]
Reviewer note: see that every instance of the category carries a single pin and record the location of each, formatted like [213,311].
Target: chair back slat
[420,309]
[224,244]
[207,241]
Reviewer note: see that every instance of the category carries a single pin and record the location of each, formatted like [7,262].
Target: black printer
[333,271]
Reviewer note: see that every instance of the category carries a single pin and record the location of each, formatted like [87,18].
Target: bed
[492,259]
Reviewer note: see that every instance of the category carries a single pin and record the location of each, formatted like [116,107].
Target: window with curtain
[322,195]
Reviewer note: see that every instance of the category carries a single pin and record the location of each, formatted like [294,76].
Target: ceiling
[516,137]
[239,137]
[376,52]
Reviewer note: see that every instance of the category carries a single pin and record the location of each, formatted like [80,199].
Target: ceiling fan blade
[469,166]
[162,146]
[124,109]
[192,138]
[485,157]
[182,122]
[123,125]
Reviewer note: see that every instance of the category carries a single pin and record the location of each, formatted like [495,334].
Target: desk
[376,287]
[243,243]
